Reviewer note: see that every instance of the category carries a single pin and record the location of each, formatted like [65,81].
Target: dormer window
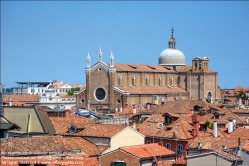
[72,129]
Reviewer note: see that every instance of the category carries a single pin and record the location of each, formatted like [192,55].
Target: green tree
[242,95]
[72,90]
[210,125]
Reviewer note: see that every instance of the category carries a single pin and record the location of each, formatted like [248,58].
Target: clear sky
[42,41]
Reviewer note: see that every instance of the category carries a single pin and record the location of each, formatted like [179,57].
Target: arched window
[179,150]
[159,80]
[171,81]
[119,80]
[133,81]
[209,97]
[168,146]
[147,80]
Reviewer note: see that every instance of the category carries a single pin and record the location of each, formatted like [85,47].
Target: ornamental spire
[172,31]
[111,60]
[100,54]
[88,60]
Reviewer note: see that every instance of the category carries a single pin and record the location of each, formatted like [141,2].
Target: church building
[114,86]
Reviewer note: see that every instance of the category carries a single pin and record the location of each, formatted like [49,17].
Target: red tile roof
[243,133]
[213,143]
[179,106]
[20,99]
[47,145]
[144,68]
[239,88]
[61,123]
[50,161]
[147,150]
[186,69]
[100,130]
[245,148]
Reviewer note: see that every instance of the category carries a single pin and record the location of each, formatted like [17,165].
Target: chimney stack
[234,124]
[196,120]
[121,109]
[134,109]
[230,125]
[215,129]
[10,99]
[194,132]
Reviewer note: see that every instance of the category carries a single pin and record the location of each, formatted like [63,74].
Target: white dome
[171,57]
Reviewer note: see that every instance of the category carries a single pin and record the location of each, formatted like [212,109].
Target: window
[32,90]
[118,101]
[82,100]
[168,146]
[159,81]
[199,65]
[100,94]
[119,80]
[133,80]
[148,142]
[179,150]
[118,163]
[147,80]
[171,81]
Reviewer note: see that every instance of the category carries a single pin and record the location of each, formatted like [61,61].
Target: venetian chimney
[215,129]
[196,120]
[230,125]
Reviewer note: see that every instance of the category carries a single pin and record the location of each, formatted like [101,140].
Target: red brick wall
[174,144]
[107,159]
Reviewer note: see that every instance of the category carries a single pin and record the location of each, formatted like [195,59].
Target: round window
[118,101]
[82,101]
[100,93]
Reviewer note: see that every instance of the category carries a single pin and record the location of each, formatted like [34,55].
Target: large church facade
[114,86]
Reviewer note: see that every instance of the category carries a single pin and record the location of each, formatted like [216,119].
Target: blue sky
[42,41]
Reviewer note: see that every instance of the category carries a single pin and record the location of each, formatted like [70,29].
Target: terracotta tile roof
[180,130]
[147,150]
[47,145]
[43,108]
[58,84]
[101,130]
[151,89]
[144,68]
[62,123]
[165,163]
[155,118]
[244,111]
[179,106]
[245,148]
[77,85]
[213,143]
[227,113]
[243,133]
[50,161]
[18,100]
[239,88]
[180,161]
[186,69]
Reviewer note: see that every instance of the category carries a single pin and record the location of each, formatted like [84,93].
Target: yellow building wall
[127,137]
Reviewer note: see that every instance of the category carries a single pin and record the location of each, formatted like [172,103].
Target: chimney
[234,123]
[134,125]
[10,99]
[239,141]
[116,109]
[134,109]
[121,109]
[194,132]
[230,125]
[215,128]
[148,105]
[196,120]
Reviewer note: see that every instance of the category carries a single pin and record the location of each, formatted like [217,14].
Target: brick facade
[107,159]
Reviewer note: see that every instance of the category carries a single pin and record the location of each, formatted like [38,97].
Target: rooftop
[147,150]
